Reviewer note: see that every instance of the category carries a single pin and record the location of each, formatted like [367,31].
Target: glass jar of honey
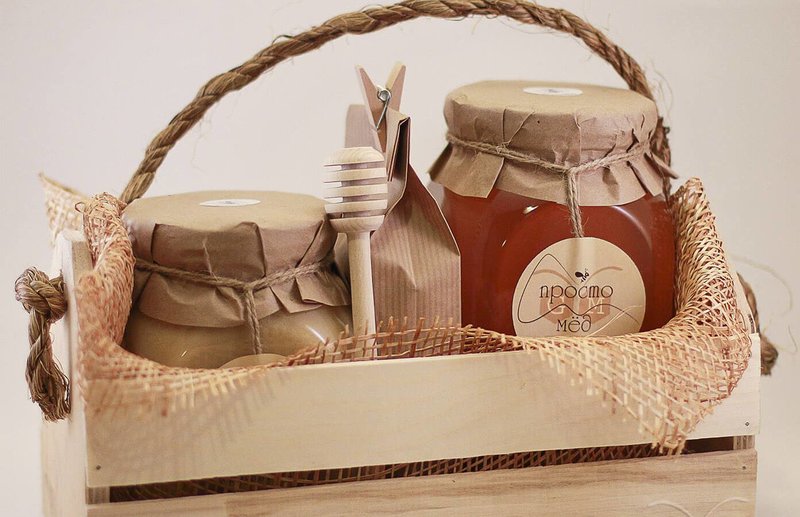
[232,278]
[558,208]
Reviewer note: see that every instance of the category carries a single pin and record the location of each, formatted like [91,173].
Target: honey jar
[558,208]
[223,275]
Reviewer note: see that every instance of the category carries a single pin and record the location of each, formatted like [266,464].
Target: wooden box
[484,404]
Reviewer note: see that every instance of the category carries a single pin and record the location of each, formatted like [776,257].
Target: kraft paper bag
[415,260]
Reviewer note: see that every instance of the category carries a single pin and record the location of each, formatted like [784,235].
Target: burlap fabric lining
[59,203]
[666,380]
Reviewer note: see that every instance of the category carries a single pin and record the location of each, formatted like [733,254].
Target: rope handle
[374,19]
[43,298]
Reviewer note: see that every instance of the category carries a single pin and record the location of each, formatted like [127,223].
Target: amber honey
[499,235]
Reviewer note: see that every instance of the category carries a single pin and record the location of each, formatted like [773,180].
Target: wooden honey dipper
[356,208]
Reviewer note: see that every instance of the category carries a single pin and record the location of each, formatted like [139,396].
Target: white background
[85,85]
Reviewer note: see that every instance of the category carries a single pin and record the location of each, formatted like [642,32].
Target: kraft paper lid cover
[562,123]
[241,235]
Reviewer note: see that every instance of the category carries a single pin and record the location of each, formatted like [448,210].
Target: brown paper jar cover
[563,129]
[540,257]
[238,235]
[246,242]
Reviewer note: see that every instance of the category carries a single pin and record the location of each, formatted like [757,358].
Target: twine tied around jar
[245,289]
[569,173]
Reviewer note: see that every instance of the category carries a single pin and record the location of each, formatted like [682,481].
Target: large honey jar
[558,207]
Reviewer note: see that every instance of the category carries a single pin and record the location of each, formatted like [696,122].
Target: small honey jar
[222,275]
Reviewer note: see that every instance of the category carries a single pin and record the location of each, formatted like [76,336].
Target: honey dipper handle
[371,20]
[363,298]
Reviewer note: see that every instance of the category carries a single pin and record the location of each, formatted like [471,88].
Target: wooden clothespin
[379,99]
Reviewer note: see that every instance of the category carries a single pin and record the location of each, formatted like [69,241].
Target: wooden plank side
[369,413]
[715,484]
[64,442]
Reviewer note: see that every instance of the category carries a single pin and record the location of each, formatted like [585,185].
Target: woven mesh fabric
[59,203]
[666,380]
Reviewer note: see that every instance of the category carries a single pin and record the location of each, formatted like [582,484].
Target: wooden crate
[396,412]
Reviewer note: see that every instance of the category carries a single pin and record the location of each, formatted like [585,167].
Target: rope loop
[43,298]
[373,19]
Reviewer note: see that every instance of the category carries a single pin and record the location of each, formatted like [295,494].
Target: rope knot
[569,173]
[38,293]
[246,289]
[43,298]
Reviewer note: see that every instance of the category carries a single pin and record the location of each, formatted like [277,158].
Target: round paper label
[579,287]
[230,202]
[553,90]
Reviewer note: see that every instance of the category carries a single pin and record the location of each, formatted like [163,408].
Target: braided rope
[43,298]
[371,20]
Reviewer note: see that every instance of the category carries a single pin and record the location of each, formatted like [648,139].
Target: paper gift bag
[415,259]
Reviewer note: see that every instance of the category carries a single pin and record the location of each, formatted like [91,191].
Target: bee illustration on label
[583,276]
